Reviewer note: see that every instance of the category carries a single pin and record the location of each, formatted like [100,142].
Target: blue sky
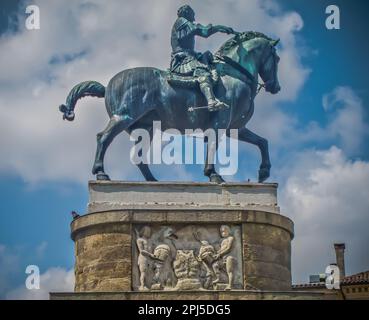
[317,127]
[342,54]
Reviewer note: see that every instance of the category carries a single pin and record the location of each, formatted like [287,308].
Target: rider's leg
[207,58]
[206,86]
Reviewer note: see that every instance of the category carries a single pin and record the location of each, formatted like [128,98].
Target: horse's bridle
[273,55]
[246,72]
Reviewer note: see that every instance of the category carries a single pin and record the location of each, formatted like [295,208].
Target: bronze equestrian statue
[227,81]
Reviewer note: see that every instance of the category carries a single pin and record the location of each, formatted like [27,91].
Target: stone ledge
[196,295]
[170,216]
[182,183]
[115,195]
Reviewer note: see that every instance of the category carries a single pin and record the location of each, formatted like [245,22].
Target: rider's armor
[185,61]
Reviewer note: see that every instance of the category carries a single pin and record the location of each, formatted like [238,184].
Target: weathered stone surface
[105,239]
[197,246]
[112,222]
[97,219]
[204,216]
[267,283]
[267,256]
[266,218]
[272,270]
[97,241]
[115,195]
[102,257]
[197,295]
[257,236]
[105,285]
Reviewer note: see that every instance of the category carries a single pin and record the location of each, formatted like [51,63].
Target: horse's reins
[239,68]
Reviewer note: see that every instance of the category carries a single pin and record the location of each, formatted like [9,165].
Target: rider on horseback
[186,62]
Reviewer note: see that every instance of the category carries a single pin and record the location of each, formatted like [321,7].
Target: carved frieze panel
[187,257]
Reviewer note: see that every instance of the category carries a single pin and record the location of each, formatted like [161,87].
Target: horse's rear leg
[248,136]
[144,168]
[115,126]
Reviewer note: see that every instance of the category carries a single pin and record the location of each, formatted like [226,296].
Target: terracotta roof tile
[362,277]
[309,285]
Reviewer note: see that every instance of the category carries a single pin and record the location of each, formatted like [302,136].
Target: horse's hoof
[98,168]
[216,178]
[263,174]
[102,177]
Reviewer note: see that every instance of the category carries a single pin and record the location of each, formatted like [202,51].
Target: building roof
[362,277]
[309,285]
[358,278]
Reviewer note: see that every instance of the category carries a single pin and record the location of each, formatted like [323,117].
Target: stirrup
[217,106]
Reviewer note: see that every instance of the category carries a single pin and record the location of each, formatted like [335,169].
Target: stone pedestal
[199,236]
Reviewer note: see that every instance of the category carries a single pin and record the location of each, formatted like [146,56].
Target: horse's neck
[246,59]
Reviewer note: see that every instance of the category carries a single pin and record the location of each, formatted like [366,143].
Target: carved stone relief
[187,257]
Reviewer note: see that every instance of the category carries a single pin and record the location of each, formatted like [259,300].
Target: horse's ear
[274,42]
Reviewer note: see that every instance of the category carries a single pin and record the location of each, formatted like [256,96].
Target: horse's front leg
[209,170]
[248,136]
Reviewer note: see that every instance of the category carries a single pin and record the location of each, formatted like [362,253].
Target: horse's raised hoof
[102,177]
[264,174]
[214,177]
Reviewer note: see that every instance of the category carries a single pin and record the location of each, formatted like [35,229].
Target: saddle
[188,81]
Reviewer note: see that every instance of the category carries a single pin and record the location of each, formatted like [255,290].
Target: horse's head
[255,52]
[268,70]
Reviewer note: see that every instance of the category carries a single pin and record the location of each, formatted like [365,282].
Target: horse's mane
[239,38]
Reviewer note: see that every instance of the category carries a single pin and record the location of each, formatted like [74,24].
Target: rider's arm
[207,31]
[187,28]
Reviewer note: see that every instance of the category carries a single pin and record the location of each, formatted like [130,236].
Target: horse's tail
[83,89]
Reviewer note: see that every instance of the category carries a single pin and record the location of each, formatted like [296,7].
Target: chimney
[340,258]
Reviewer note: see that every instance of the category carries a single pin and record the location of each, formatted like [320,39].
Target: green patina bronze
[219,89]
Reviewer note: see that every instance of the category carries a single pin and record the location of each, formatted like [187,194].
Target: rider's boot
[213,103]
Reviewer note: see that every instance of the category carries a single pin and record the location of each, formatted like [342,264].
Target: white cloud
[9,267]
[13,262]
[107,38]
[325,194]
[348,120]
[345,125]
[40,249]
[53,280]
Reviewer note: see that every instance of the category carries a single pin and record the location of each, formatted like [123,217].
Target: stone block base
[182,236]
[196,295]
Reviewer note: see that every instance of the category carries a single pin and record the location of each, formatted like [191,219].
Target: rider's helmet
[186,12]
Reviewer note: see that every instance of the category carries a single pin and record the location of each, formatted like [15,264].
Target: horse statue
[136,97]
